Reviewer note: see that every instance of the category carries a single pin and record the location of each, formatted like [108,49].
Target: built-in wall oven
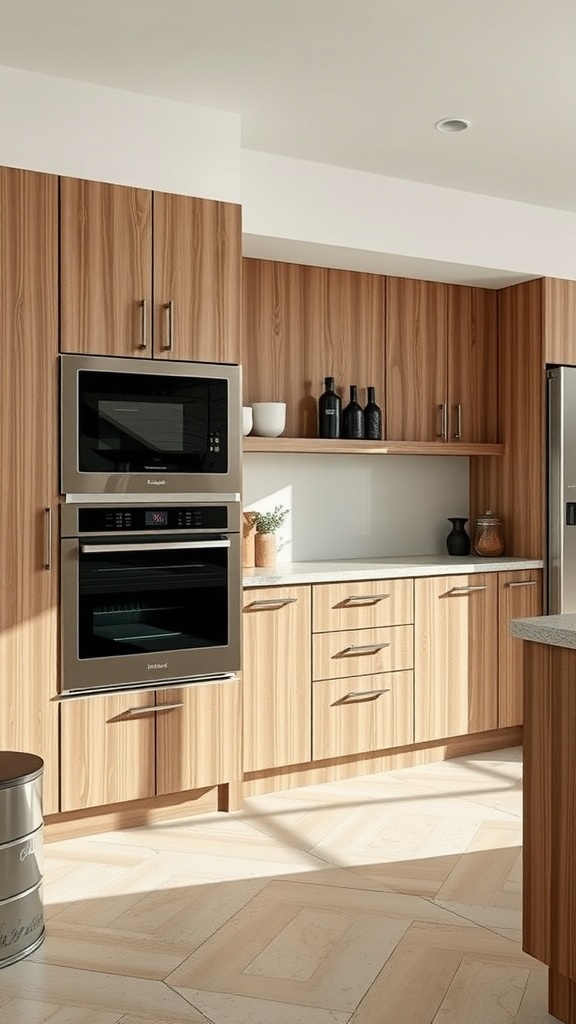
[150,593]
[142,426]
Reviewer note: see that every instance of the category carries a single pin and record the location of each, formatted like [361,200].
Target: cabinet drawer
[354,716]
[361,605]
[353,652]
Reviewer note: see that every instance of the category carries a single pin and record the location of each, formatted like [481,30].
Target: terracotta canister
[265,549]
[248,540]
[489,535]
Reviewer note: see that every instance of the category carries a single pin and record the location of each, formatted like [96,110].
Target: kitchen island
[549,835]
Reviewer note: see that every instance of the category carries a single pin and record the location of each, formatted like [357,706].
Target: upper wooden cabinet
[148,274]
[441,362]
[302,324]
[28,456]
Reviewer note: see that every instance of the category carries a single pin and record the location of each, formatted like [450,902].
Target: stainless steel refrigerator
[561,555]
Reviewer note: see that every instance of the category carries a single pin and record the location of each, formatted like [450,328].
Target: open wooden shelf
[321,446]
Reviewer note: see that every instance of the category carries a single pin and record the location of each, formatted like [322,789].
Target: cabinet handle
[364,693]
[143,324]
[443,421]
[365,598]
[273,602]
[465,590]
[154,707]
[47,564]
[364,648]
[458,433]
[169,307]
[523,583]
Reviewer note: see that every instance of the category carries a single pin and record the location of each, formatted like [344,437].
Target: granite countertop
[556,630]
[375,568]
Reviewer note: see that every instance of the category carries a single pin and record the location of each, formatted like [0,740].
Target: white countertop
[556,630]
[375,568]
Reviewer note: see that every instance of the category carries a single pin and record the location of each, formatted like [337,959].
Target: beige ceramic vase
[265,549]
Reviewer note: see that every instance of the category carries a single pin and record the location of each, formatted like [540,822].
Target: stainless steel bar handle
[365,648]
[47,564]
[276,602]
[365,598]
[143,324]
[365,693]
[443,421]
[154,707]
[466,590]
[458,433]
[108,549]
[523,583]
[169,307]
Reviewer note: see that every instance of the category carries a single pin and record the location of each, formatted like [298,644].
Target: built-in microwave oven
[134,426]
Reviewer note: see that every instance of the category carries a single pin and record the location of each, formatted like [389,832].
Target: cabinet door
[276,677]
[416,368]
[362,714]
[28,456]
[197,268]
[198,737]
[105,268]
[519,597]
[472,365]
[107,750]
[455,655]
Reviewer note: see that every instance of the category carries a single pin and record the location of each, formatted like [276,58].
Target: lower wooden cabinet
[137,745]
[455,655]
[276,677]
[519,597]
[362,714]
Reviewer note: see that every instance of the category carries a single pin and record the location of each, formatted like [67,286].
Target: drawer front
[368,713]
[361,605]
[354,652]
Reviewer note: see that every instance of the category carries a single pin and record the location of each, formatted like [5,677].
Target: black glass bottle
[329,411]
[352,416]
[372,417]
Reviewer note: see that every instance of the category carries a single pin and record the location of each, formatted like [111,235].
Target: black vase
[458,541]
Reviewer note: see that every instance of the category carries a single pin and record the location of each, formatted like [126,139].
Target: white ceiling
[357,83]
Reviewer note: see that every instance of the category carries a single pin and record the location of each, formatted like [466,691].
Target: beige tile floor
[389,899]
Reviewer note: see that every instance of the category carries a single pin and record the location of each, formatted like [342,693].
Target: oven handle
[109,549]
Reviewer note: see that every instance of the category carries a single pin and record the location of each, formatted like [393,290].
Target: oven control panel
[128,518]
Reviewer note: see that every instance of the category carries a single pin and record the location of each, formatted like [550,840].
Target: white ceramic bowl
[246,420]
[269,418]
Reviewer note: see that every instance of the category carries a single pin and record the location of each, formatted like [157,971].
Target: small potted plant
[266,524]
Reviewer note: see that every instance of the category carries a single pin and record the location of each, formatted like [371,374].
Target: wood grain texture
[455,656]
[362,605]
[276,677]
[416,354]
[519,596]
[301,324]
[105,268]
[324,446]
[362,723]
[28,456]
[561,997]
[559,321]
[107,755]
[473,363]
[198,744]
[353,652]
[197,266]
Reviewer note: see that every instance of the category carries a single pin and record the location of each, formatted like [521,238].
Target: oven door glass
[148,596]
[142,423]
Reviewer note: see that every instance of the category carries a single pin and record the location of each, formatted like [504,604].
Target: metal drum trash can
[21,827]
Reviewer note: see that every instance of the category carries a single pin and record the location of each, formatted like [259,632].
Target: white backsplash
[347,506]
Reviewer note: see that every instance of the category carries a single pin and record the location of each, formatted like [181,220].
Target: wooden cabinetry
[138,745]
[456,655]
[519,597]
[148,274]
[362,690]
[28,456]
[276,677]
[441,362]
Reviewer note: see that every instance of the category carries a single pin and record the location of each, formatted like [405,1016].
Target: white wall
[88,131]
[346,506]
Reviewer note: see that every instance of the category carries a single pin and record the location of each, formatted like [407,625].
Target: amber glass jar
[488,535]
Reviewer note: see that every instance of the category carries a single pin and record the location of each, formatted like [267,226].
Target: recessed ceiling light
[452,124]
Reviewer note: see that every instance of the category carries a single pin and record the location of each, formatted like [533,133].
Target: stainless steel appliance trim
[69,514]
[94,549]
[144,499]
[169,684]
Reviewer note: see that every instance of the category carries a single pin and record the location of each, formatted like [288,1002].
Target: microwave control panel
[145,518]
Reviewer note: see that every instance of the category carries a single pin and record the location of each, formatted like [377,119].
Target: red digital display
[157,518]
